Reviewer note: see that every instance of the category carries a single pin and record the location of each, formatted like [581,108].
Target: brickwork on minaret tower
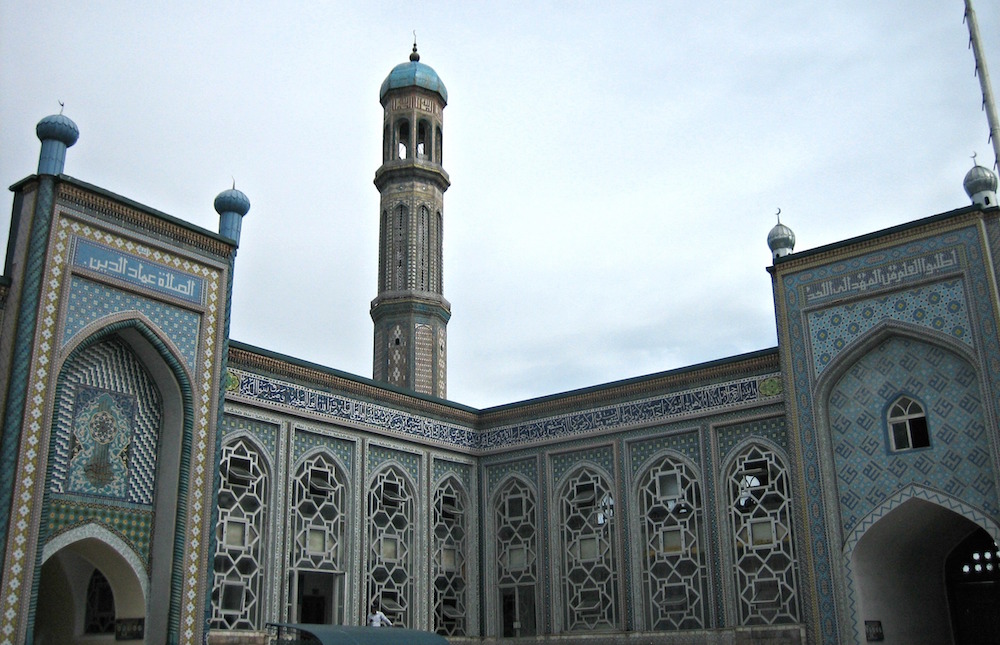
[410,312]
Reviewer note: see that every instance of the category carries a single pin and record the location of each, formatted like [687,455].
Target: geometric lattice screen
[763,552]
[588,562]
[239,536]
[450,516]
[390,541]
[517,558]
[674,576]
[319,512]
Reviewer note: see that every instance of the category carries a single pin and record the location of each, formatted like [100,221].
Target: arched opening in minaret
[386,144]
[438,146]
[423,140]
[403,139]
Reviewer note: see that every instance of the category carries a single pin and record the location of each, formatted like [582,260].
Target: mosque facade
[163,483]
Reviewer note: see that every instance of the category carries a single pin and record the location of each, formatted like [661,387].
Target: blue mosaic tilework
[266,433]
[302,399]
[527,468]
[306,441]
[958,460]
[108,368]
[713,398]
[941,307]
[772,429]
[798,347]
[462,472]
[133,525]
[99,442]
[880,272]
[602,456]
[89,301]
[378,455]
[138,271]
[686,443]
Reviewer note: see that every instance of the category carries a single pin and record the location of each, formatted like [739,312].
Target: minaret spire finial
[778,215]
[61,106]
[414,56]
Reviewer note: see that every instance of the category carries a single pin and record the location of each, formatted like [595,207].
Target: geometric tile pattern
[265,433]
[686,443]
[772,429]
[102,432]
[378,455]
[463,472]
[48,266]
[106,375]
[131,524]
[940,306]
[89,301]
[798,291]
[602,456]
[957,461]
[526,468]
[306,441]
[717,397]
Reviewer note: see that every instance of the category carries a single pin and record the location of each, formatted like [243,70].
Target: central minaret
[410,312]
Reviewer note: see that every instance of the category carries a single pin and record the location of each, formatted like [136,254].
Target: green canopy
[343,635]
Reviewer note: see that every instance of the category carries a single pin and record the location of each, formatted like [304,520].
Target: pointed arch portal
[904,591]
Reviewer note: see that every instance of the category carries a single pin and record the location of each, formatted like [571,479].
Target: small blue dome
[58,127]
[413,74]
[232,201]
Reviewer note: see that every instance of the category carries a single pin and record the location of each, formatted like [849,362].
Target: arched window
[450,519]
[517,558]
[423,140]
[403,140]
[674,574]
[99,616]
[319,523]
[390,540]
[589,570]
[763,553]
[907,425]
[438,146]
[399,251]
[423,246]
[239,550]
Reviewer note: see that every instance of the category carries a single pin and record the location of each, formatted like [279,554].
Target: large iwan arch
[127,375]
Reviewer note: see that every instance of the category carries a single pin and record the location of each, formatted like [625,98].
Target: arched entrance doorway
[899,571]
[88,589]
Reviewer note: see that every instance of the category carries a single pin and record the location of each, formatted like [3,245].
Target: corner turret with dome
[57,132]
[231,205]
[410,312]
[981,185]
[781,239]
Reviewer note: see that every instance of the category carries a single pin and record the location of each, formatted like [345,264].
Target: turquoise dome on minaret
[413,74]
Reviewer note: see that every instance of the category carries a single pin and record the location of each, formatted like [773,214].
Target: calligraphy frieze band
[138,271]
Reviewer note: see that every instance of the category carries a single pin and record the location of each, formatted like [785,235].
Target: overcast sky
[615,167]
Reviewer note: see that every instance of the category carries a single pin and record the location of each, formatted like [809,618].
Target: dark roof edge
[932,219]
[679,371]
[132,204]
[347,376]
